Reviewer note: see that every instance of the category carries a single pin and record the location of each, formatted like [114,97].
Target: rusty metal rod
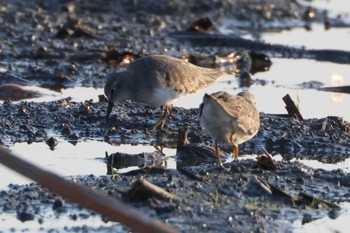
[109,207]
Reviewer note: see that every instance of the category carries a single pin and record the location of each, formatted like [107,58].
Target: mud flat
[60,44]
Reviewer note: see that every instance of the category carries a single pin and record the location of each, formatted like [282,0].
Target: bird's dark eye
[112,91]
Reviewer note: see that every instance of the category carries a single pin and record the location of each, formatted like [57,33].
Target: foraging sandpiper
[231,119]
[158,80]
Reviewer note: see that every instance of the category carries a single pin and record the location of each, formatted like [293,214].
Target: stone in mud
[334,213]
[202,25]
[57,205]
[52,142]
[24,216]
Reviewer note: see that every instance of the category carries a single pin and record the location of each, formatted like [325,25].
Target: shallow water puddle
[66,159]
[326,224]
[87,158]
[82,93]
[314,164]
[333,6]
[345,165]
[316,38]
[296,77]
[287,75]
[76,93]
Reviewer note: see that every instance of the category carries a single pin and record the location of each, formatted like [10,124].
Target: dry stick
[143,187]
[291,108]
[84,196]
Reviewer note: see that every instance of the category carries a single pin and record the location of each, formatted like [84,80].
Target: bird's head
[115,90]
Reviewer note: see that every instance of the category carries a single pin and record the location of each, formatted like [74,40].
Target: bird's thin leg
[166,113]
[217,152]
[161,121]
[235,152]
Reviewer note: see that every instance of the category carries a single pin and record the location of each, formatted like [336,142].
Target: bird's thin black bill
[109,109]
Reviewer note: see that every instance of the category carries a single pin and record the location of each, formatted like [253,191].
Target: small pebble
[52,142]
[25,216]
[57,204]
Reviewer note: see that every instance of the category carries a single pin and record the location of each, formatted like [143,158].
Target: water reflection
[337,80]
[155,159]
[84,158]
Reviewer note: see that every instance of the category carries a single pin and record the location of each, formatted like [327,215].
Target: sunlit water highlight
[70,160]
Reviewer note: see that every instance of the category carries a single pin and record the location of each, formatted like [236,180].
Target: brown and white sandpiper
[158,80]
[231,119]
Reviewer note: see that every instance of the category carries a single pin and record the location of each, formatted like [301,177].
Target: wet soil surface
[325,139]
[209,198]
[215,200]
[60,44]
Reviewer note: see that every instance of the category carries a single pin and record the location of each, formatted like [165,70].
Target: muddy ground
[60,44]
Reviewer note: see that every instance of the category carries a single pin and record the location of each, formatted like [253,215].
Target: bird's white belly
[163,96]
[222,126]
[218,125]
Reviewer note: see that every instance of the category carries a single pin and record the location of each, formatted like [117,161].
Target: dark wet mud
[60,44]
[209,197]
[324,139]
[215,200]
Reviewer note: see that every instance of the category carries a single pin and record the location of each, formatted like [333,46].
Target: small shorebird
[158,80]
[229,119]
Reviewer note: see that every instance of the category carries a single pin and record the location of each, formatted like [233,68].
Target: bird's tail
[211,75]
